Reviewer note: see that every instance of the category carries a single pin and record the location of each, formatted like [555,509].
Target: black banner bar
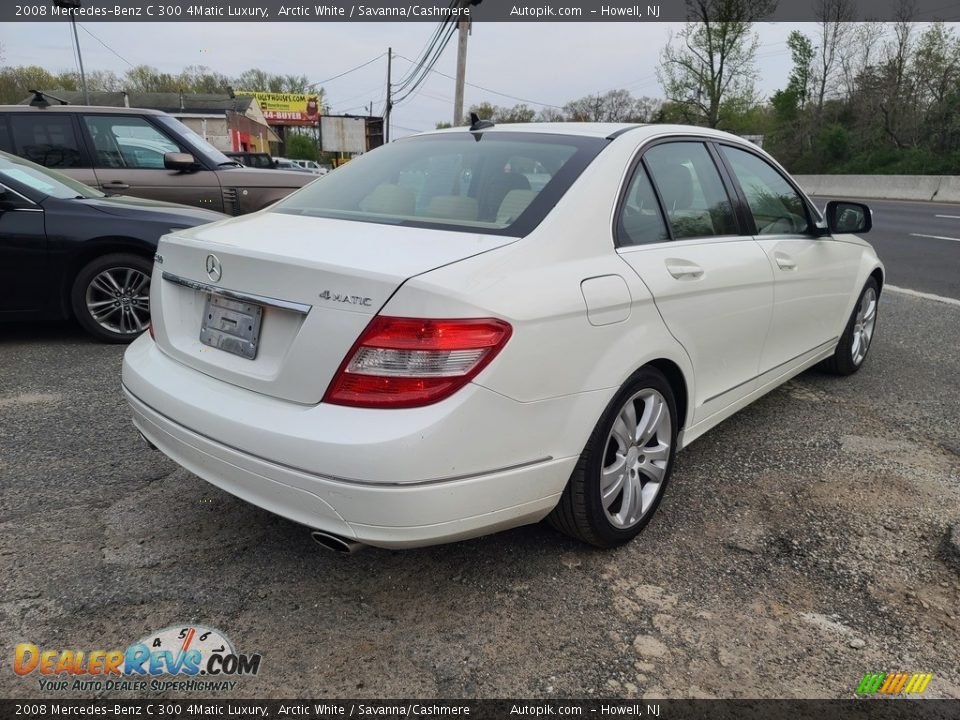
[434,10]
[873,709]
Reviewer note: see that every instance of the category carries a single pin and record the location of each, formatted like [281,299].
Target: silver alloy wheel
[635,458]
[863,326]
[118,299]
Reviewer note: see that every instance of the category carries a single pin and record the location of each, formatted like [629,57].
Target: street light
[72,6]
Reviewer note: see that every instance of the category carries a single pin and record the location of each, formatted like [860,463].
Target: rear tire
[854,344]
[619,480]
[111,297]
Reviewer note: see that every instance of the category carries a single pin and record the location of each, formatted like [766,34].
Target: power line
[486,89]
[426,50]
[84,28]
[430,48]
[416,77]
[365,93]
[347,72]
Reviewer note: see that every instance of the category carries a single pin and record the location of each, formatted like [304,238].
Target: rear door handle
[115,185]
[683,269]
[785,262]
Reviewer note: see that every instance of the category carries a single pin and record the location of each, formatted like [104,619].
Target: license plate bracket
[231,325]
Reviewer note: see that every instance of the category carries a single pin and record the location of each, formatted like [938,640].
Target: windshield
[43,180]
[501,183]
[197,143]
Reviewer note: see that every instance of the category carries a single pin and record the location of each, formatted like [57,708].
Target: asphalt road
[918,242]
[799,546]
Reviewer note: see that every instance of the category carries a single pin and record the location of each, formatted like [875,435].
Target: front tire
[618,483]
[855,342]
[111,297]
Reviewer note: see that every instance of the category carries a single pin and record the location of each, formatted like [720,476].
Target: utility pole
[71,6]
[389,105]
[463,26]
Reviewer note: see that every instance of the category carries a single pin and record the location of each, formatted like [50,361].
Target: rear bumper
[424,486]
[392,517]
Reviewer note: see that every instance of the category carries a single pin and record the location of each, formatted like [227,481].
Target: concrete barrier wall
[935,188]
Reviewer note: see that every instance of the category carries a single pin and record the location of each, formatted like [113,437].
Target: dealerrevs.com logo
[183,658]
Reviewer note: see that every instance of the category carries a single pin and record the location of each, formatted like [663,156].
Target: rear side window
[693,194]
[640,220]
[776,207]
[5,143]
[47,139]
[501,183]
[127,141]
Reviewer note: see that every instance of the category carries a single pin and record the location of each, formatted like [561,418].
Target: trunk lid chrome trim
[296,307]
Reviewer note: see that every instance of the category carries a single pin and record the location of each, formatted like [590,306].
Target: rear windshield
[494,183]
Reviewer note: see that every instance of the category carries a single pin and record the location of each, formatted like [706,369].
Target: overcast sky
[547,63]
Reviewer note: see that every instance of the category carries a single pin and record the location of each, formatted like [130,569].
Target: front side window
[640,221]
[496,183]
[127,141]
[693,194]
[776,207]
[47,139]
[198,146]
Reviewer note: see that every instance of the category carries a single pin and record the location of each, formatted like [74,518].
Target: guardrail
[930,188]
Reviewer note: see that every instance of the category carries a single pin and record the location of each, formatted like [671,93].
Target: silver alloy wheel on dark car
[110,296]
[118,299]
[636,458]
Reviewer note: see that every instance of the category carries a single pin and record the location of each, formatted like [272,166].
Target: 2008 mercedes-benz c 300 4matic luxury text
[473,329]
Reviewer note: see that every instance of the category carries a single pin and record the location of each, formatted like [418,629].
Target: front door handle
[683,269]
[115,185]
[785,262]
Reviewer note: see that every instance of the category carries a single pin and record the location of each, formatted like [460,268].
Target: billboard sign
[287,108]
[343,134]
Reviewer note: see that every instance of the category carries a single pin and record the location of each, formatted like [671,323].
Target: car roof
[600,130]
[101,109]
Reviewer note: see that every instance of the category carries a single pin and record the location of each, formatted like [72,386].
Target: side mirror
[179,161]
[848,217]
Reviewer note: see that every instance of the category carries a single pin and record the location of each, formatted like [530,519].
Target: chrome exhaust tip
[337,544]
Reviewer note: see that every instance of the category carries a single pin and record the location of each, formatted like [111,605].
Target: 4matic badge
[346,299]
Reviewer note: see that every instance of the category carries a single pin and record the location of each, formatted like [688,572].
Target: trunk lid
[317,283]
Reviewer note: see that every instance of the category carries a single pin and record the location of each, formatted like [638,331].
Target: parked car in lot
[143,153]
[282,163]
[67,249]
[424,347]
[311,166]
[253,159]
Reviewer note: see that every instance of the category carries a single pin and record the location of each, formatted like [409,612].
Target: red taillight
[410,362]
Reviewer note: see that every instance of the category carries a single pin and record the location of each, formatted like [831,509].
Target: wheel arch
[97,247]
[678,383]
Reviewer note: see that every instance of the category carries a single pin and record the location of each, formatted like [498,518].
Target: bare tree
[834,18]
[859,52]
[711,60]
[894,101]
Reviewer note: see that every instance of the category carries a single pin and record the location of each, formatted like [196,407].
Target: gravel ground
[801,544]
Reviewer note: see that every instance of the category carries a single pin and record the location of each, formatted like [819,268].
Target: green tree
[300,146]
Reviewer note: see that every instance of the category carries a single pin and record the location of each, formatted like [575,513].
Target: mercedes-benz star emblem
[214,270]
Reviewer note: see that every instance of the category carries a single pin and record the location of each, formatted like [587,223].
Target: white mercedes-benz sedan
[473,329]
